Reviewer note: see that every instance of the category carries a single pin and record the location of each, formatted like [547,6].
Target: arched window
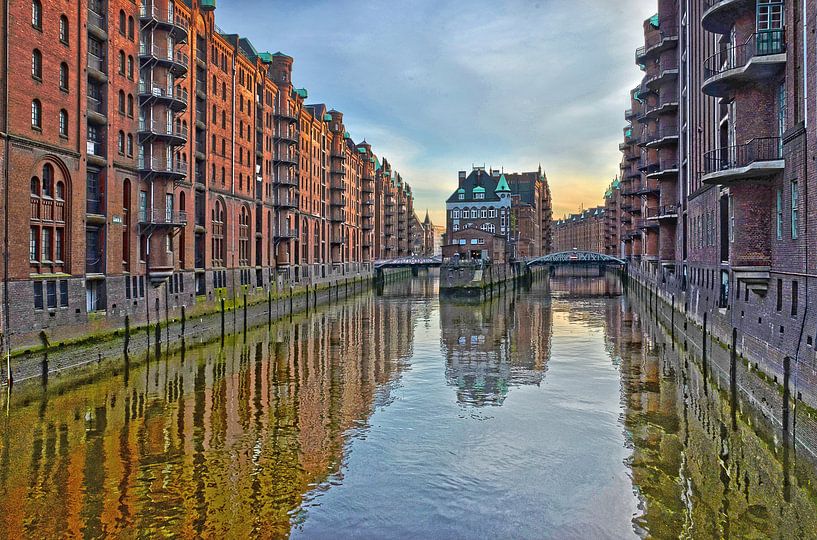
[130,105]
[121,102]
[122,22]
[37,64]
[130,145]
[130,28]
[223,90]
[223,177]
[244,237]
[223,119]
[63,123]
[121,142]
[182,233]
[122,63]
[130,67]
[64,77]
[37,14]
[36,114]
[47,249]
[126,214]
[64,29]
[219,226]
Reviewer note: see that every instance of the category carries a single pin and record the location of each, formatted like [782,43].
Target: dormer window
[461,196]
[479,196]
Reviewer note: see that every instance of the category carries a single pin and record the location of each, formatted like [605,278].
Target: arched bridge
[413,262]
[584,258]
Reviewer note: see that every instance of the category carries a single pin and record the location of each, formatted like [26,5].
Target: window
[218,224]
[63,293]
[63,29]
[33,243]
[64,77]
[794,210]
[37,14]
[122,63]
[492,213]
[795,285]
[121,102]
[483,213]
[121,142]
[455,214]
[780,214]
[63,123]
[479,195]
[131,33]
[130,105]
[130,67]
[121,22]
[37,64]
[244,237]
[779,295]
[58,243]
[36,114]
[38,295]
[223,119]
[461,196]
[46,245]
[130,145]
[51,294]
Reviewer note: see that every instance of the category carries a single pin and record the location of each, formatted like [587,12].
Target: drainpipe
[805,195]
[6,330]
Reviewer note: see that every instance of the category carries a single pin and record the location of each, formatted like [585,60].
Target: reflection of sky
[439,85]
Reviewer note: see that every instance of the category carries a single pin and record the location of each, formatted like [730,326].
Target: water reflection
[226,440]
[496,345]
[590,423]
[699,472]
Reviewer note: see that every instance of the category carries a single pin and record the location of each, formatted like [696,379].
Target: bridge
[576,258]
[409,262]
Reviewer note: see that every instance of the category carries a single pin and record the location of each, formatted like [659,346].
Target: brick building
[512,206]
[584,231]
[158,150]
[717,188]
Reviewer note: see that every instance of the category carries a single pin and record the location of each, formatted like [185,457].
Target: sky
[438,86]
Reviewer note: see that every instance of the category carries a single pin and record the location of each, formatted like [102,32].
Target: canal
[560,411]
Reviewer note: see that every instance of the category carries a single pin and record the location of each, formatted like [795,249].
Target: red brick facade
[157,152]
[583,232]
[718,174]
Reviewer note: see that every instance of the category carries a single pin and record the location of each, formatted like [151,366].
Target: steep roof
[479,179]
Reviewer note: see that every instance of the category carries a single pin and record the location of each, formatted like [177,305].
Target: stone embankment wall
[186,326]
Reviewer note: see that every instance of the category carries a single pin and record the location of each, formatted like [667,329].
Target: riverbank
[202,322]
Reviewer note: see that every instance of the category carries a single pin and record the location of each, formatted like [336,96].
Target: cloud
[436,85]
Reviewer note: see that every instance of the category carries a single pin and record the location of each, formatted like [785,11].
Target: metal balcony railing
[97,62]
[95,105]
[743,155]
[162,128]
[96,19]
[161,216]
[95,148]
[736,56]
[159,165]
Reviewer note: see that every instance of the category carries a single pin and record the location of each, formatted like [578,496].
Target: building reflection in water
[493,346]
[220,439]
[700,474]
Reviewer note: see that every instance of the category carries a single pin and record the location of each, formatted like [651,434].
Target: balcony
[97,25]
[337,215]
[284,200]
[164,19]
[95,151]
[97,67]
[286,180]
[174,135]
[289,138]
[286,115]
[176,62]
[663,134]
[668,212]
[163,167]
[666,168]
[96,112]
[666,103]
[285,158]
[629,114]
[720,15]
[95,204]
[759,158]
[175,98]
[284,233]
[158,218]
[758,59]
[339,239]
[663,38]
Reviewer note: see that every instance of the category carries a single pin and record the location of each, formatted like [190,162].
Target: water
[558,412]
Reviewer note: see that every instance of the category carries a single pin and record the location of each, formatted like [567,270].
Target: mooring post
[733,377]
[223,318]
